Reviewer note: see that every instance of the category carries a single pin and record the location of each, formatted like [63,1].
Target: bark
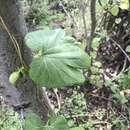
[9,60]
[93,25]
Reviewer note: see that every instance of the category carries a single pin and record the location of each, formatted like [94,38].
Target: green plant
[9,119]
[116,92]
[74,105]
[33,122]
[58,61]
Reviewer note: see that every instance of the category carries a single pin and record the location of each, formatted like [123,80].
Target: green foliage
[58,17]
[96,43]
[14,77]
[39,14]
[96,75]
[116,92]
[115,10]
[124,80]
[113,7]
[74,105]
[33,122]
[57,123]
[118,123]
[9,119]
[59,60]
[104,2]
[124,4]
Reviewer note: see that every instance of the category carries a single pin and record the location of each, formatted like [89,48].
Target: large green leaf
[33,122]
[60,61]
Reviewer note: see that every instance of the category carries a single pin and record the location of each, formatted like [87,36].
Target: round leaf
[115,10]
[14,77]
[60,62]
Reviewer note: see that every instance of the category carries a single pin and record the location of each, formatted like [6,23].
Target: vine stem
[15,44]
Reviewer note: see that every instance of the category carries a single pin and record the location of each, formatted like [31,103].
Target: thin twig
[72,20]
[101,97]
[121,49]
[58,99]
[127,56]
[15,44]
[61,4]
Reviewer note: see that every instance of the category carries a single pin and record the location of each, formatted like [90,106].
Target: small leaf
[104,2]
[124,4]
[94,70]
[129,74]
[96,43]
[14,77]
[93,54]
[57,123]
[128,49]
[33,122]
[115,10]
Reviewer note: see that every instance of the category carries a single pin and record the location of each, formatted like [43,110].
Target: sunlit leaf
[115,10]
[128,49]
[96,43]
[124,4]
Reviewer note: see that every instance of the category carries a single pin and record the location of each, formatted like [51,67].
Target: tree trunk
[9,61]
